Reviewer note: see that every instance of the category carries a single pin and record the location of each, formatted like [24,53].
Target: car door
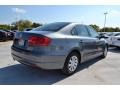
[86,42]
[97,41]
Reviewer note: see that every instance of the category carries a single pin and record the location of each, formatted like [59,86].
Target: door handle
[81,41]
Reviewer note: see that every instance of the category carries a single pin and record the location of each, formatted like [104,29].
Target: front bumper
[42,61]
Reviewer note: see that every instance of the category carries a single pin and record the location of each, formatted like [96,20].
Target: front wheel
[118,47]
[105,52]
[71,63]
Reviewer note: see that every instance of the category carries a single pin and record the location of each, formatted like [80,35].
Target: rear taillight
[39,41]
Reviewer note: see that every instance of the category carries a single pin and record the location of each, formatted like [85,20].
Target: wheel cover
[73,63]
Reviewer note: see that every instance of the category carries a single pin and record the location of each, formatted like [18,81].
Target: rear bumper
[42,61]
[3,39]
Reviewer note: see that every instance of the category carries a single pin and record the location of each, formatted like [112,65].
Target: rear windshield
[52,26]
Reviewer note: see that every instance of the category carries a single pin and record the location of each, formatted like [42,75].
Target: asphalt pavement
[95,72]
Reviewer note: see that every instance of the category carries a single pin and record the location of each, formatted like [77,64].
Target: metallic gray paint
[54,55]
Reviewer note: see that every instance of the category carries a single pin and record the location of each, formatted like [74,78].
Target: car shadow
[22,75]
[88,63]
[114,50]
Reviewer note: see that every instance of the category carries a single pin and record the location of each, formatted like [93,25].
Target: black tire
[5,40]
[66,69]
[105,52]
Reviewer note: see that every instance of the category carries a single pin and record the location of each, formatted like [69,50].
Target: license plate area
[21,42]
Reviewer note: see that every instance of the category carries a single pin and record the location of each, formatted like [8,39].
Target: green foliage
[106,29]
[34,25]
[95,27]
[22,24]
[5,27]
[110,29]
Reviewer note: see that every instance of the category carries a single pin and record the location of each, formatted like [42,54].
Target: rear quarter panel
[65,44]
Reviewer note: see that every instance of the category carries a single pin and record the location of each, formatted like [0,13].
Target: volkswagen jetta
[59,45]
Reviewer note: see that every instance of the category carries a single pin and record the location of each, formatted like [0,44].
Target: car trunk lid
[21,38]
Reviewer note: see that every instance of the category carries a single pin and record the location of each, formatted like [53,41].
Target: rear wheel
[71,63]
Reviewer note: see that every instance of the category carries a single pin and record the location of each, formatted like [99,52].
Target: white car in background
[107,36]
[112,38]
[115,39]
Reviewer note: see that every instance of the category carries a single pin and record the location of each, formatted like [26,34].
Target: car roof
[70,23]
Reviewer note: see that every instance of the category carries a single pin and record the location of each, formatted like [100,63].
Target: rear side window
[92,32]
[80,30]
[52,26]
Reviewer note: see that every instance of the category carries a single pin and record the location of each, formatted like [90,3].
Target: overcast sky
[86,14]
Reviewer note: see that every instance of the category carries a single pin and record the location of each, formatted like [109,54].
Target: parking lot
[98,71]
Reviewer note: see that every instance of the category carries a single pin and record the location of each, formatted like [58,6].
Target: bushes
[106,29]
[22,24]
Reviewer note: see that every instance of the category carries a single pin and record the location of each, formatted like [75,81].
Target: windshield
[52,26]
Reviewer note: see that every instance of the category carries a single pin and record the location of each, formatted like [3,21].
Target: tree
[110,29]
[117,29]
[95,27]
[34,25]
[22,24]
[5,27]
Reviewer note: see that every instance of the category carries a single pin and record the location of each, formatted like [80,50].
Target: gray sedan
[59,45]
